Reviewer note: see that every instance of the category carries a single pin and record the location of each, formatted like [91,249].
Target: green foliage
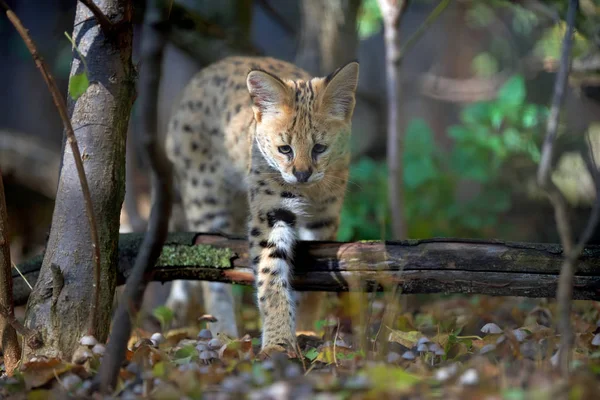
[549,46]
[311,354]
[78,84]
[364,214]
[490,135]
[369,19]
[185,354]
[485,65]
[164,315]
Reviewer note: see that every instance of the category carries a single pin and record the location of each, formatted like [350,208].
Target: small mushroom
[158,338]
[215,344]
[205,334]
[81,355]
[491,328]
[99,349]
[88,340]
[469,378]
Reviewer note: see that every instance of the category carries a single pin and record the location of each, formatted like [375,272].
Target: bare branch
[153,43]
[558,97]
[565,287]
[266,5]
[105,24]
[431,18]
[72,140]
[9,342]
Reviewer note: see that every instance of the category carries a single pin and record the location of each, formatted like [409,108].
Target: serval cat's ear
[270,95]
[339,93]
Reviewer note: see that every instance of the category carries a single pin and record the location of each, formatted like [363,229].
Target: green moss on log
[199,255]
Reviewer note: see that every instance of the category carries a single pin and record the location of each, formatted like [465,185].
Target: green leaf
[164,315]
[418,172]
[311,354]
[476,113]
[485,65]
[185,355]
[512,93]
[529,118]
[78,84]
[159,370]
[387,378]
[406,339]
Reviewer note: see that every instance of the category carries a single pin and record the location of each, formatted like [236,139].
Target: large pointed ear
[340,91]
[269,94]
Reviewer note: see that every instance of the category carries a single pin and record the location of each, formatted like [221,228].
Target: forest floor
[451,347]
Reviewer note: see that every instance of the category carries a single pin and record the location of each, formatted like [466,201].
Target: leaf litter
[451,347]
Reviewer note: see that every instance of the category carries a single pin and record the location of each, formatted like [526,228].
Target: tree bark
[420,266]
[392,11]
[9,343]
[100,118]
[153,44]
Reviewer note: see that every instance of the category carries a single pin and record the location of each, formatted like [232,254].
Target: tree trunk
[60,303]
[9,344]
[328,37]
[392,10]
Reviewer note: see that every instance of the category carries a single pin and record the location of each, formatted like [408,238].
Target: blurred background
[475,93]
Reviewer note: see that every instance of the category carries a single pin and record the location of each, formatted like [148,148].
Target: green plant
[491,134]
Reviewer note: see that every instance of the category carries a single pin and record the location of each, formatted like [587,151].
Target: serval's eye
[285,149]
[319,148]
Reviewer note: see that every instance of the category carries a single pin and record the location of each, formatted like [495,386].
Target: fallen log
[419,266]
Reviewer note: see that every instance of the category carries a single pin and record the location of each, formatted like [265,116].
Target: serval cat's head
[303,127]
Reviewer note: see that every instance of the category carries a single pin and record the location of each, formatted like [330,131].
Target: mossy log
[418,266]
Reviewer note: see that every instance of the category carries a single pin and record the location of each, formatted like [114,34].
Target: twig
[153,43]
[22,276]
[558,97]
[72,140]
[431,18]
[105,24]
[266,5]
[565,285]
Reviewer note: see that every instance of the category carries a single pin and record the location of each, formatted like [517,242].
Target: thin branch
[565,287]
[431,18]
[153,43]
[266,5]
[72,140]
[105,24]
[558,97]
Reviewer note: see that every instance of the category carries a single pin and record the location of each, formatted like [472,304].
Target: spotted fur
[259,136]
